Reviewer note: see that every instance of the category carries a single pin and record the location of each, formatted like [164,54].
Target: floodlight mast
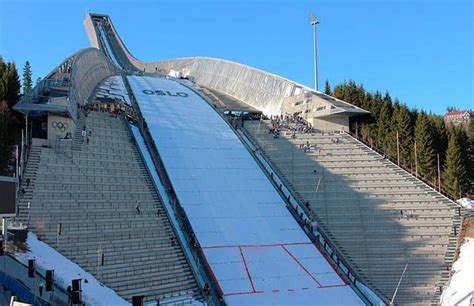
[313,20]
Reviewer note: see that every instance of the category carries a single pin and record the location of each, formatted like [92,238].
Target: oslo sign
[165,93]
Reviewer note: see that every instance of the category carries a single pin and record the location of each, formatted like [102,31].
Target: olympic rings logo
[58,125]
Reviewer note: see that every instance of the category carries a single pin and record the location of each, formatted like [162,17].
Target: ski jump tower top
[266,92]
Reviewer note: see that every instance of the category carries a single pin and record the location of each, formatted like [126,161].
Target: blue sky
[420,50]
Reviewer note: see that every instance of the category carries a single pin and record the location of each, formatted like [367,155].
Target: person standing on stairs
[83,133]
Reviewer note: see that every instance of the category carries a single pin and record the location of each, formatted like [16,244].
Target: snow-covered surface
[460,291]
[114,88]
[466,203]
[93,292]
[175,74]
[371,296]
[256,250]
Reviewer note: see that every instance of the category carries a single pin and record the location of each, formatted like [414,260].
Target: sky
[421,51]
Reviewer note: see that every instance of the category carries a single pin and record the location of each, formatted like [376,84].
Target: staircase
[81,123]
[105,203]
[30,173]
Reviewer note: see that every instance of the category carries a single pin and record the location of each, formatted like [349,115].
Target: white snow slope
[460,291]
[93,292]
[256,250]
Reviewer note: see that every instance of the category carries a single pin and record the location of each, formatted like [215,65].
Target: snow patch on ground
[466,203]
[93,292]
[460,291]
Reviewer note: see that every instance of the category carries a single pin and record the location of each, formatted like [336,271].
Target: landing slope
[255,248]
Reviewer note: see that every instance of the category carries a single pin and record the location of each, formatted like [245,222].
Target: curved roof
[260,89]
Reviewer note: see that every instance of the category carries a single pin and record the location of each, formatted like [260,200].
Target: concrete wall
[317,111]
[306,106]
[58,126]
[331,123]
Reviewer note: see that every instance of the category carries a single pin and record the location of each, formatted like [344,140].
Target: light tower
[313,20]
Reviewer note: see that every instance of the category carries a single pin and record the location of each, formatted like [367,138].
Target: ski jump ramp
[255,248]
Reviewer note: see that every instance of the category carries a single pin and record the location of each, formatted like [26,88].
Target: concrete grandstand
[137,174]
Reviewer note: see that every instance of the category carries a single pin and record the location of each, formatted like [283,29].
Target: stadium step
[360,194]
[108,176]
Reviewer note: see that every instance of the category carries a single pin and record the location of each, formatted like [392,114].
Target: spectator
[28,181]
[138,209]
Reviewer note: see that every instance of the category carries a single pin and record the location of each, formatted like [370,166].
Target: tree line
[11,122]
[422,137]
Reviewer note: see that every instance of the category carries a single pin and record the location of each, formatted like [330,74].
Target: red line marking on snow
[247,269]
[242,293]
[302,267]
[333,268]
[282,245]
[254,245]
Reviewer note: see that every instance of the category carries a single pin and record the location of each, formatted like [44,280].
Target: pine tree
[392,135]
[12,84]
[383,125]
[338,91]
[3,68]
[4,137]
[27,82]
[403,124]
[367,101]
[471,130]
[454,172]
[327,88]
[440,136]
[463,140]
[425,152]
[376,104]
[366,131]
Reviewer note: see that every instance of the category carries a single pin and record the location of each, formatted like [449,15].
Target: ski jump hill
[174,201]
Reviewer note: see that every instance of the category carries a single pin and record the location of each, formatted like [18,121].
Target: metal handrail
[442,191]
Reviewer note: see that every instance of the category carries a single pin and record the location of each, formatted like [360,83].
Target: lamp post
[313,20]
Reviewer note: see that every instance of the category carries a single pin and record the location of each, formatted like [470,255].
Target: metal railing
[394,161]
